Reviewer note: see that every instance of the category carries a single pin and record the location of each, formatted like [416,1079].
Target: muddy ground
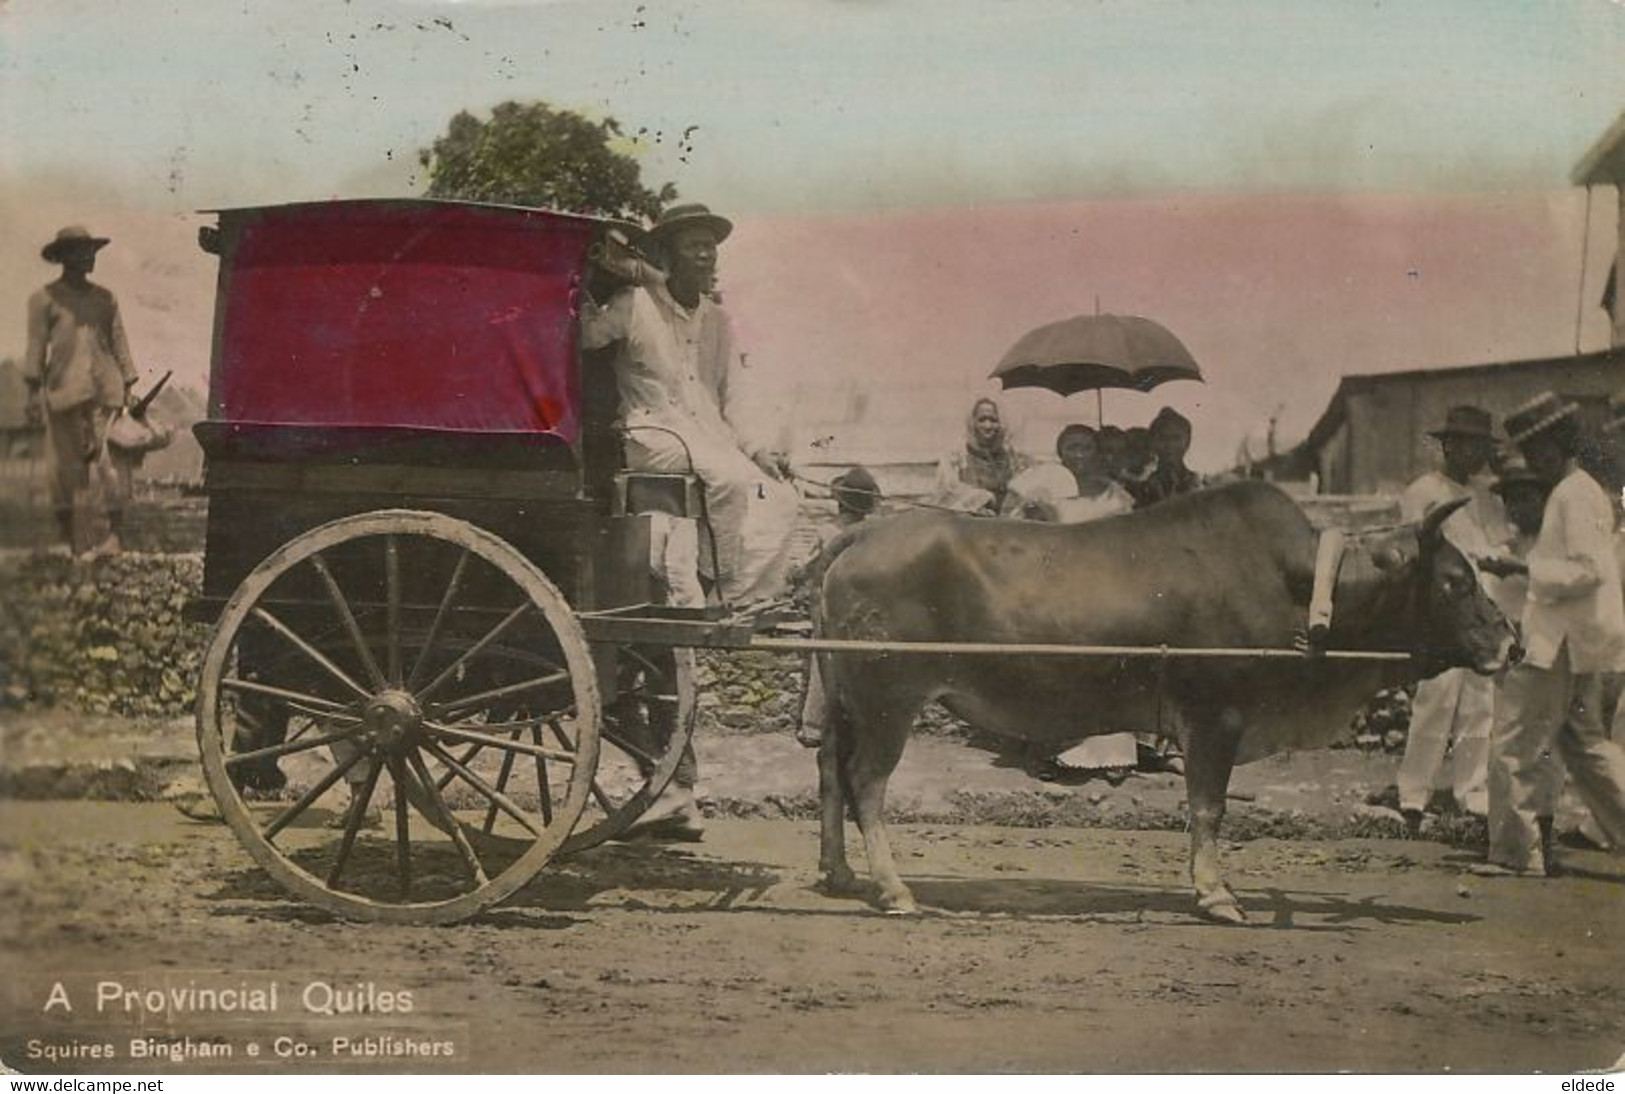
[1058,935]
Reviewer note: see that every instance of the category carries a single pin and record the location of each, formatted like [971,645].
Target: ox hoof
[838,883]
[1221,907]
[901,904]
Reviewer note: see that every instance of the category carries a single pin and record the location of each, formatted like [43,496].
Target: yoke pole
[1030,649]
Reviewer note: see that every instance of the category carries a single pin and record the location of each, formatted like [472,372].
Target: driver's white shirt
[677,368]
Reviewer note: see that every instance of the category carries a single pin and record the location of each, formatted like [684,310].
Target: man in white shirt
[1453,710]
[679,376]
[1574,632]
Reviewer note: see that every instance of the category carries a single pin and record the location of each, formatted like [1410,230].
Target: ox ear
[1432,529]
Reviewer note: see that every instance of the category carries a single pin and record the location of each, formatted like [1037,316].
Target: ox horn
[1433,522]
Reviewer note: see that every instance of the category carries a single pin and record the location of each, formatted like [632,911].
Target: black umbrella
[1091,352]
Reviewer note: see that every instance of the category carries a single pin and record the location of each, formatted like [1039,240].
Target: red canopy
[401,314]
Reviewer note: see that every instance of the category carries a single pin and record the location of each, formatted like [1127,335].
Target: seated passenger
[975,478]
[1170,440]
[1074,491]
[1139,461]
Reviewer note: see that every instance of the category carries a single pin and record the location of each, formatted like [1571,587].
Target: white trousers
[1452,710]
[1555,710]
[749,515]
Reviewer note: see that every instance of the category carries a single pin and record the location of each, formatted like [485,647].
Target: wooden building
[1604,165]
[1373,439]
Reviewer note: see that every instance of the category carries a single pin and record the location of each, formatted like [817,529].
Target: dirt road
[1043,949]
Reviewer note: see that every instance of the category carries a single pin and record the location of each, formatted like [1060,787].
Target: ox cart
[427,572]
[416,521]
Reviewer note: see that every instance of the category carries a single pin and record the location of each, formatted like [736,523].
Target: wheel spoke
[433,636]
[287,816]
[445,780]
[299,743]
[458,734]
[315,703]
[453,828]
[403,836]
[629,748]
[597,791]
[558,733]
[453,709]
[347,617]
[502,782]
[392,585]
[473,651]
[520,723]
[310,651]
[330,717]
[545,790]
[352,823]
[497,799]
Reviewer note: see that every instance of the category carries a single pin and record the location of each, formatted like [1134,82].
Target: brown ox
[1226,568]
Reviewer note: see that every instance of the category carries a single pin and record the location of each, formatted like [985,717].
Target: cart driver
[679,377]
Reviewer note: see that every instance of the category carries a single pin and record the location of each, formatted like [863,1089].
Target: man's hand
[129,394]
[776,465]
[1503,567]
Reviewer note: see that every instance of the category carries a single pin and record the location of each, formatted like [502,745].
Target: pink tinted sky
[879,329]
[917,182]
[901,315]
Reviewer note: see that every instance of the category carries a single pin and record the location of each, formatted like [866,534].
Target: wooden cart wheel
[647,728]
[412,661]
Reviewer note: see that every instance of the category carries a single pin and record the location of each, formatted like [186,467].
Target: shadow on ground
[612,875]
[1277,908]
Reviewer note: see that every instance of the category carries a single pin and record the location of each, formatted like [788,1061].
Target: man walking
[1454,709]
[1574,632]
[78,365]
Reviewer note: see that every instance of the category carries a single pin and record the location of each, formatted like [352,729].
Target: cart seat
[638,492]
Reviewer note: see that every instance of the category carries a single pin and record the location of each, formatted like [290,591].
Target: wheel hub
[392,720]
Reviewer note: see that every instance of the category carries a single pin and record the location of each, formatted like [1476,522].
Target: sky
[1298,189]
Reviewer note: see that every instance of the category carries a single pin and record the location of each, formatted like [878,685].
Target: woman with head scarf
[976,477]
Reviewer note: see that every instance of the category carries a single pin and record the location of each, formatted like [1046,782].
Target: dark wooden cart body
[419,355]
[410,477]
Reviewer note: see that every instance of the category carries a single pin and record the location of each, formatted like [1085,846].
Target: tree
[532,154]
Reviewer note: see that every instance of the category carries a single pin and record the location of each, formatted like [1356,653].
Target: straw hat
[72,237]
[692,215]
[1538,415]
